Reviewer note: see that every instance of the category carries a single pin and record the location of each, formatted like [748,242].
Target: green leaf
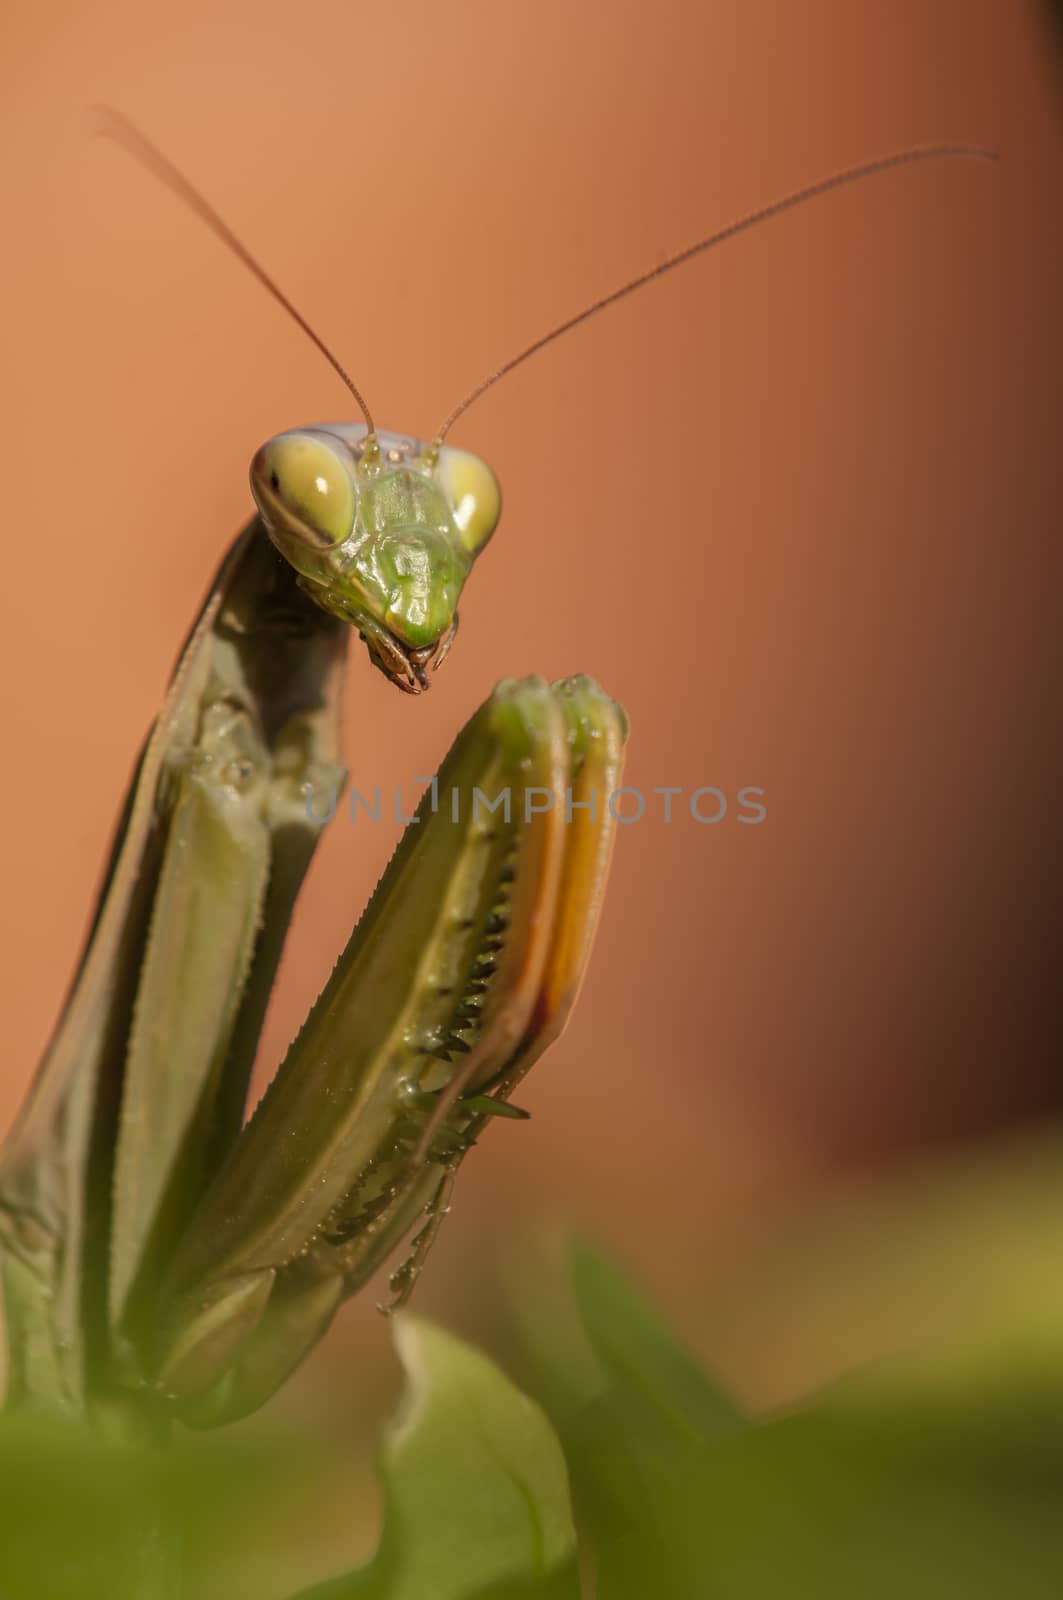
[476,1490]
[87,1517]
[642,1438]
[928,1478]
[640,1354]
[836,1503]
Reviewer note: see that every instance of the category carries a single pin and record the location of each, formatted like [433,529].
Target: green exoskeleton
[153,1246]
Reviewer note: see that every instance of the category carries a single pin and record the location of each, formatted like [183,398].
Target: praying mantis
[157,1253]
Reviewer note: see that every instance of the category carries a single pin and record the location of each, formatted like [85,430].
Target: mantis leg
[463,969]
[142,1087]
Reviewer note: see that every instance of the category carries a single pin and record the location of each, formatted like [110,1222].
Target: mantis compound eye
[302,486]
[473,494]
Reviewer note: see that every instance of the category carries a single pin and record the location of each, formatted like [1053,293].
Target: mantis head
[383,531]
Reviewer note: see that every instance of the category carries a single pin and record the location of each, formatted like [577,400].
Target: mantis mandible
[156,1252]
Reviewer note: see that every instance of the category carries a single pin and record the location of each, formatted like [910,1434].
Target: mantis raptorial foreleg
[463,968]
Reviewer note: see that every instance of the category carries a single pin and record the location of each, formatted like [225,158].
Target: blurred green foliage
[93,1518]
[885,1486]
[926,1478]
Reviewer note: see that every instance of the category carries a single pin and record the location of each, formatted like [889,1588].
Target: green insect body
[156,1252]
[151,1245]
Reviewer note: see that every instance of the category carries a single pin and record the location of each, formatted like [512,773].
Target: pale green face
[384,538]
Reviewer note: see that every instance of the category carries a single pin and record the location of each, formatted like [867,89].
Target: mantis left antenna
[118,127]
[799,197]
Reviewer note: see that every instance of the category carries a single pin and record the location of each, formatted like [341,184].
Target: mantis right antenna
[867,169]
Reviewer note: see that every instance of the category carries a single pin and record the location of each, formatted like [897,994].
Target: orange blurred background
[797,506]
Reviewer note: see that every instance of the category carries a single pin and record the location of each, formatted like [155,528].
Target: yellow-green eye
[305,478]
[472,491]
